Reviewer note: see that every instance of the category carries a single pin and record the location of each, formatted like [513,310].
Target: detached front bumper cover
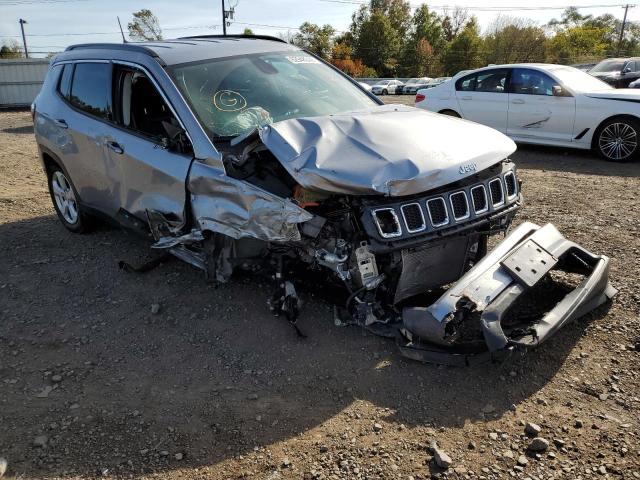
[487,291]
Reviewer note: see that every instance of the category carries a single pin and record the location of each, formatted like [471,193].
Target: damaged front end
[328,203]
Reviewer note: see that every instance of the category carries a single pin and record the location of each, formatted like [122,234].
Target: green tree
[513,40]
[377,43]
[453,22]
[419,54]
[397,11]
[316,39]
[11,49]
[145,26]
[464,51]
[247,31]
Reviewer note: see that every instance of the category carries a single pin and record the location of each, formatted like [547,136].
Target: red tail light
[420,97]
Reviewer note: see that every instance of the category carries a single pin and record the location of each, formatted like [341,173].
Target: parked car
[544,104]
[366,86]
[585,67]
[251,154]
[617,72]
[412,85]
[387,87]
[635,84]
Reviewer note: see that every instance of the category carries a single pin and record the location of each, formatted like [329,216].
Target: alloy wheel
[64,197]
[618,141]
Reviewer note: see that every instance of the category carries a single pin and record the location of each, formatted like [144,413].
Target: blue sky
[50,22]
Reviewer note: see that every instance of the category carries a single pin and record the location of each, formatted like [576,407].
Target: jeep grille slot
[459,205]
[497,194]
[479,198]
[413,217]
[510,183]
[437,212]
[387,222]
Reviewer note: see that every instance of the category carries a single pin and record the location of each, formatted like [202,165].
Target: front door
[535,113]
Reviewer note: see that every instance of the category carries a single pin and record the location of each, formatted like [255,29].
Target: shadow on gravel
[210,376]
[19,130]
[582,162]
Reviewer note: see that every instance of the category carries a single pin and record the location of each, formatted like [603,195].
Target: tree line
[385,39]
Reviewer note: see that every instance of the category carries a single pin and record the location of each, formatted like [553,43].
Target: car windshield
[608,66]
[232,96]
[580,80]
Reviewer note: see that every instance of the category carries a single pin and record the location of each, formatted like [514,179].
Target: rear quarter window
[91,89]
[466,84]
[64,86]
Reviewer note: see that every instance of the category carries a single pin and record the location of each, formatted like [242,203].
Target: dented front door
[534,112]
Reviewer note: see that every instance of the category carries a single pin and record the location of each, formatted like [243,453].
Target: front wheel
[617,140]
[65,201]
[384,92]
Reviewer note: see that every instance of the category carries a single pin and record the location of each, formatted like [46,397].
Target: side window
[91,89]
[140,107]
[493,81]
[531,82]
[466,84]
[64,87]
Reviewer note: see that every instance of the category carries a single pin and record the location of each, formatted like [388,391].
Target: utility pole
[624,23]
[24,39]
[224,19]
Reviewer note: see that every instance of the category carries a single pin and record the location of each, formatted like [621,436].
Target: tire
[618,140]
[385,92]
[450,113]
[65,201]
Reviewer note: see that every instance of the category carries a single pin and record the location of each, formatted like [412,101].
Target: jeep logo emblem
[469,167]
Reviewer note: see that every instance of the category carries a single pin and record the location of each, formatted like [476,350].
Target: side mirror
[557,91]
[626,70]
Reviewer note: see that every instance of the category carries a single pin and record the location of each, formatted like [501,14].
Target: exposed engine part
[367,268]
[336,260]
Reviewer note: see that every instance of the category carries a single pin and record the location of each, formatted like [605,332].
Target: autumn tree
[145,26]
[11,49]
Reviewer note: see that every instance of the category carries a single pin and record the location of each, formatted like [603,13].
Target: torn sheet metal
[390,150]
[238,209]
[490,288]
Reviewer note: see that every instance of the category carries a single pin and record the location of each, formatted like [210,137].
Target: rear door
[151,172]
[482,97]
[535,112]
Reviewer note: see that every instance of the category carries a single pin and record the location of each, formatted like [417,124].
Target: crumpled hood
[630,94]
[391,150]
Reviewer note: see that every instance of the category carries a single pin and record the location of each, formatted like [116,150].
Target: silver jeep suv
[248,153]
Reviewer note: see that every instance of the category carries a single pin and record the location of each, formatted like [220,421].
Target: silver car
[387,87]
[235,153]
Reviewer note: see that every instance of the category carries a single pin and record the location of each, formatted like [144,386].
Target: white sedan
[544,104]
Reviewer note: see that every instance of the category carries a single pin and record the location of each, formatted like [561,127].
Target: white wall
[21,80]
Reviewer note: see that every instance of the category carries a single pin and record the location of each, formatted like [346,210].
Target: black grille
[437,211]
[413,217]
[387,222]
[497,195]
[510,182]
[459,205]
[479,196]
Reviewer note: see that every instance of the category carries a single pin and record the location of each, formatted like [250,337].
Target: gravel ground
[95,384]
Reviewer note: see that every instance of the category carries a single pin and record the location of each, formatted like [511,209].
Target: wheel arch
[444,110]
[597,130]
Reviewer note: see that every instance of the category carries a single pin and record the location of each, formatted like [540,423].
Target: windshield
[578,80]
[608,66]
[231,96]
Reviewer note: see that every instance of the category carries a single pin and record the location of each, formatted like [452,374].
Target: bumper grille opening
[387,222]
[413,217]
[459,205]
[510,183]
[497,194]
[479,198]
[437,212]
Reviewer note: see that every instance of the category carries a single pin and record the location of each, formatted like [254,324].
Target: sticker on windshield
[229,101]
[302,59]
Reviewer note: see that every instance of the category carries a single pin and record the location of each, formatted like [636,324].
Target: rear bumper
[484,295]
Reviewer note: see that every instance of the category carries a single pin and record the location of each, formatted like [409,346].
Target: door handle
[465,98]
[517,101]
[61,123]
[115,146]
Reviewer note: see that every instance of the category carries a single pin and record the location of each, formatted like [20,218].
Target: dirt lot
[213,386]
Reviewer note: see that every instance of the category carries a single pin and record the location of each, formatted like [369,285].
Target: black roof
[193,49]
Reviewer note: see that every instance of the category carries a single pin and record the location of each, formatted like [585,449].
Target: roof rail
[113,46]
[258,37]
